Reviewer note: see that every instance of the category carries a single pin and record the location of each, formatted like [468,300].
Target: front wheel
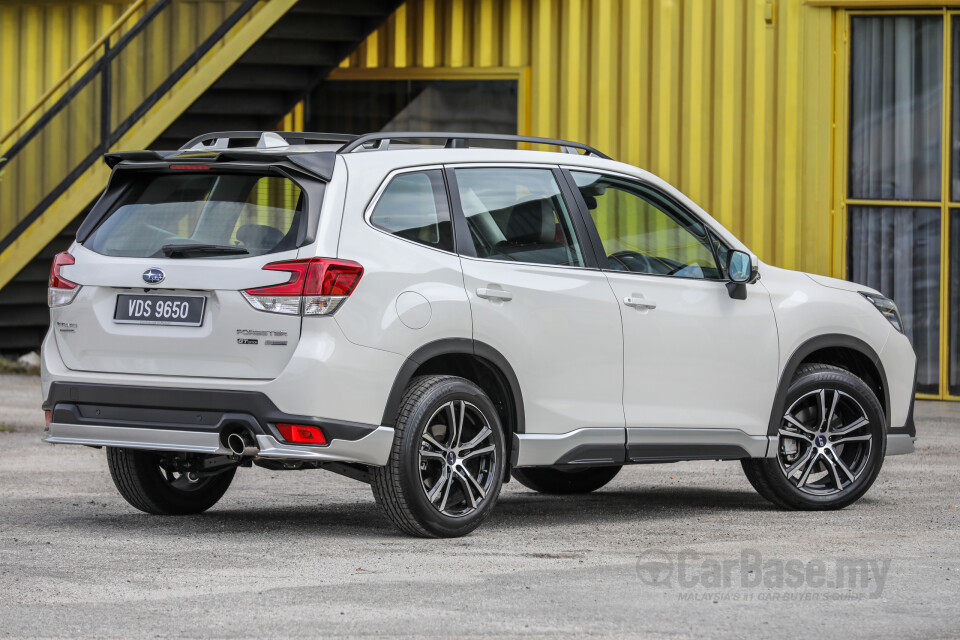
[565,481]
[830,446]
[446,465]
[149,484]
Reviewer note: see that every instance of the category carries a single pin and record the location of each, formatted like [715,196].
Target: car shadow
[515,510]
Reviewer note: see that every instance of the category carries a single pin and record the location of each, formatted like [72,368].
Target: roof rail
[461,140]
[265,139]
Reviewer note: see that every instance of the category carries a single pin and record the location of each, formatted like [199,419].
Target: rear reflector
[316,287]
[46,419]
[301,433]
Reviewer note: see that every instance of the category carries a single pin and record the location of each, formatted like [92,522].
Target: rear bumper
[194,420]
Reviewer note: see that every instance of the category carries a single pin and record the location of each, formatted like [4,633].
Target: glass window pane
[642,233]
[518,215]
[954,305]
[262,214]
[896,250]
[896,84]
[414,206]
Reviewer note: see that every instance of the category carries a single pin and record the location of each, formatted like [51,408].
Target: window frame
[600,254]
[581,231]
[378,194]
[842,201]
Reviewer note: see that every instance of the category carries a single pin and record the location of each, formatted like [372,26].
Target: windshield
[239,214]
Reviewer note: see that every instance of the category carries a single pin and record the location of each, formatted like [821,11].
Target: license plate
[139,309]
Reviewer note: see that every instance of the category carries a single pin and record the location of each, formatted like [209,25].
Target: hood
[844,285]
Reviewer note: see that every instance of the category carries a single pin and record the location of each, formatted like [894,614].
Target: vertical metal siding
[39,43]
[730,101]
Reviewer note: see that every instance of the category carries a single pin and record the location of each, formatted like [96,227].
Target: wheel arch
[844,351]
[476,361]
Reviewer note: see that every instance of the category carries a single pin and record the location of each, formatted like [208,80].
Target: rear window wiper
[200,250]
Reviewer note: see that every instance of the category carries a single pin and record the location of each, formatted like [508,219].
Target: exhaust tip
[241,444]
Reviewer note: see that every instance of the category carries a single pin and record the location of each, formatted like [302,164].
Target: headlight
[887,307]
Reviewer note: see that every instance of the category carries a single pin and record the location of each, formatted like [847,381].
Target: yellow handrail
[76,65]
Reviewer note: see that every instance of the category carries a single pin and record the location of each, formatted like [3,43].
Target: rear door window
[518,215]
[259,214]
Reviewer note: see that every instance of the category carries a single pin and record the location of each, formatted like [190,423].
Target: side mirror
[740,267]
[742,271]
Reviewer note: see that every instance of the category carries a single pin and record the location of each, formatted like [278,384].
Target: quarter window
[518,215]
[643,233]
[414,207]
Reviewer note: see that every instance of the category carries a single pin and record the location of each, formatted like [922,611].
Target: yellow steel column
[755,181]
[724,156]
[428,41]
[631,79]
[571,80]
[604,92]
[515,32]
[692,105]
[400,41]
[662,87]
[543,105]
[455,33]
[790,142]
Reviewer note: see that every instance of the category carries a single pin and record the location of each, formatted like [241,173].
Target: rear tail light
[317,287]
[61,291]
[301,433]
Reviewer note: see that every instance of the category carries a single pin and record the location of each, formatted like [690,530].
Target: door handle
[494,294]
[639,303]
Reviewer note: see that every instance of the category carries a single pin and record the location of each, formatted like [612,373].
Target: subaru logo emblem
[153,276]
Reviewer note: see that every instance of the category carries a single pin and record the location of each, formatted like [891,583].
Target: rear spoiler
[316,163]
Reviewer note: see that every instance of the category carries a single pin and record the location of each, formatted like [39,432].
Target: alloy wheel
[457,459]
[824,442]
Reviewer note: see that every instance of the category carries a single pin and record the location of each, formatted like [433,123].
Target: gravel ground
[664,551]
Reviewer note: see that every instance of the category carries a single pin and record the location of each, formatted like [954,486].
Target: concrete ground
[664,551]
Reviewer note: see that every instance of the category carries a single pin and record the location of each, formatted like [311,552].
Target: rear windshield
[260,214]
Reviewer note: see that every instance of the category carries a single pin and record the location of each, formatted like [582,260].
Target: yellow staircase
[163,72]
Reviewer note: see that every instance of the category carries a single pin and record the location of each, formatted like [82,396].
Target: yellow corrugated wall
[731,101]
[40,41]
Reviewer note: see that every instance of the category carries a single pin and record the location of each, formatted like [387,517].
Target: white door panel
[560,329]
[698,358]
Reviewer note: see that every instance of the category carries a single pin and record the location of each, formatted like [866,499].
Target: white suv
[434,319]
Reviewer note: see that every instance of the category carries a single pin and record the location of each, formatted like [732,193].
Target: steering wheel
[627,257]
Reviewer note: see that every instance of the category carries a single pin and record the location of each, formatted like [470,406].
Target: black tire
[144,484]
[833,398]
[563,481]
[400,487]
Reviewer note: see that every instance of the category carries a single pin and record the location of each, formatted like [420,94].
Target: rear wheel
[564,481]
[446,466]
[148,484]
[831,443]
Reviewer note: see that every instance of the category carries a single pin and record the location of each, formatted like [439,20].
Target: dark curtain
[896,250]
[895,107]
